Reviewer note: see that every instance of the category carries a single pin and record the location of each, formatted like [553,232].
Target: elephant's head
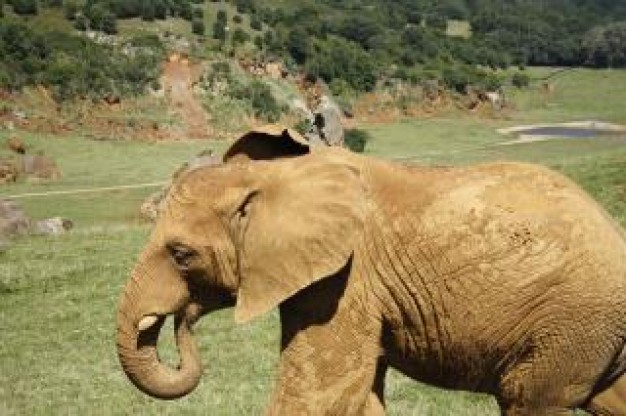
[248,235]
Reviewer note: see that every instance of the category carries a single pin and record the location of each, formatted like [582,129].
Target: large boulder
[40,167]
[326,126]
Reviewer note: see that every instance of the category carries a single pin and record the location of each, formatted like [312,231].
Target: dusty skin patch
[599,126]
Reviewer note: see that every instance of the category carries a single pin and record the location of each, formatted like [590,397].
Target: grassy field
[58,295]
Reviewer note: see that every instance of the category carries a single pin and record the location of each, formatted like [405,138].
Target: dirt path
[84,190]
[178,81]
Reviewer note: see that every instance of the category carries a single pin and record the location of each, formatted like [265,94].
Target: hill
[101,50]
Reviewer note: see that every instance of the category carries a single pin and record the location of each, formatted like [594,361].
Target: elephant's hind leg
[612,401]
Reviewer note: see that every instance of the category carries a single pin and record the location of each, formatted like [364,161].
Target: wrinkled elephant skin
[502,278]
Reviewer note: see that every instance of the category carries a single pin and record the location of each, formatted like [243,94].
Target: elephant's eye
[183,256]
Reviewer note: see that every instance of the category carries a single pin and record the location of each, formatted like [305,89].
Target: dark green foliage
[148,10]
[52,3]
[70,8]
[240,37]
[219,31]
[101,18]
[197,27]
[520,80]
[356,139]
[605,46]
[260,98]
[460,77]
[72,66]
[237,19]
[244,6]
[258,41]
[81,22]
[24,7]
[185,10]
[221,16]
[298,45]
[198,13]
[255,23]
[339,58]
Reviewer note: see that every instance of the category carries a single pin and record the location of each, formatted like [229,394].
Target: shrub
[197,27]
[237,19]
[260,97]
[24,6]
[520,80]
[356,139]
[255,23]
[239,37]
[219,31]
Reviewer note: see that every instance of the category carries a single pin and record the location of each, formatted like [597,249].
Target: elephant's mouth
[137,349]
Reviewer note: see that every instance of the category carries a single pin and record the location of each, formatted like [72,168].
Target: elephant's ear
[301,225]
[265,143]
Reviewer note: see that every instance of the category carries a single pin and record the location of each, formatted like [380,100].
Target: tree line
[354,43]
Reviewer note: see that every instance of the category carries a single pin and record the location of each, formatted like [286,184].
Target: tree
[70,8]
[109,24]
[605,46]
[25,7]
[258,41]
[298,45]
[219,31]
[240,37]
[222,17]
[197,27]
[255,23]
[148,10]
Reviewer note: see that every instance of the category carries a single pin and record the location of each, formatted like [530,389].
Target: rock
[39,166]
[13,220]
[16,145]
[8,171]
[326,126]
[53,226]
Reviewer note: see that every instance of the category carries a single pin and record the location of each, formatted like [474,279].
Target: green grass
[58,295]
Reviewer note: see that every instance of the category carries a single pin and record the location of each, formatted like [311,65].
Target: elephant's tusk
[147,321]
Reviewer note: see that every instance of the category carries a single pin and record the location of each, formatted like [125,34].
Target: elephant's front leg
[329,366]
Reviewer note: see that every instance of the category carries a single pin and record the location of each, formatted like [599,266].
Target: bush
[239,37]
[356,139]
[255,23]
[260,97]
[520,80]
[237,19]
[24,6]
[219,31]
[197,27]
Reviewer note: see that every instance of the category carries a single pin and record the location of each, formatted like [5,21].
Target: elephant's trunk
[138,354]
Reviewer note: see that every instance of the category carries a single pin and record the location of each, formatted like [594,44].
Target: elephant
[504,278]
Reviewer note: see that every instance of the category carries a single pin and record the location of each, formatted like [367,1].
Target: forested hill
[351,44]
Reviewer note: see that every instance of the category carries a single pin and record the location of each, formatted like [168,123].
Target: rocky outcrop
[326,127]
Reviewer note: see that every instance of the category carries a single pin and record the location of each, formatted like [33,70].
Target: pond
[572,130]
[565,132]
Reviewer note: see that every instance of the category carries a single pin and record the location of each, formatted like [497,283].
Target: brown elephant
[501,278]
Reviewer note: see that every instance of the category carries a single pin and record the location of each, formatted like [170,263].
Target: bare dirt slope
[178,79]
